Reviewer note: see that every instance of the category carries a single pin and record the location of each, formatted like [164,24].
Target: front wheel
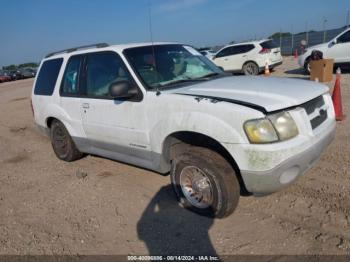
[205,182]
[250,68]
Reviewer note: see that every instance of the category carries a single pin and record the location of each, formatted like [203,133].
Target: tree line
[15,67]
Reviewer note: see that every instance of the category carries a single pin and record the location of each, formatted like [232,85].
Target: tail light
[265,51]
[31,106]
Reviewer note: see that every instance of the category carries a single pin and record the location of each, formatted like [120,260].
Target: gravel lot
[119,209]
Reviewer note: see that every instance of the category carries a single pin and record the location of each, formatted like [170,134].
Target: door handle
[226,59]
[244,55]
[86,105]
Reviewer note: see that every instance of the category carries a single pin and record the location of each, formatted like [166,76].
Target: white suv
[249,58]
[338,49]
[167,108]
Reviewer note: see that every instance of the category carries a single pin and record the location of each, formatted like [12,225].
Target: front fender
[198,122]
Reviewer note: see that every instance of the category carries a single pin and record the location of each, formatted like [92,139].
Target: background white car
[338,49]
[208,53]
[249,58]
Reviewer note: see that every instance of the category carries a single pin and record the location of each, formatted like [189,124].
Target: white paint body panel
[144,126]
[235,62]
[340,52]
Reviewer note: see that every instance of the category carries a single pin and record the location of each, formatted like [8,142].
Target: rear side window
[45,84]
[240,49]
[247,48]
[269,44]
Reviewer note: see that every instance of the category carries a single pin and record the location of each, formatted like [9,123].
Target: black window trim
[83,74]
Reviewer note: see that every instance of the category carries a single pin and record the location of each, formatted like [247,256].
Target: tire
[250,68]
[62,143]
[220,188]
[307,65]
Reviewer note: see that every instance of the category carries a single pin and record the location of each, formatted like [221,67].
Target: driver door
[113,126]
[340,51]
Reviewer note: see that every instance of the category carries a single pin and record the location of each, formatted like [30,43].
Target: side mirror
[332,43]
[122,89]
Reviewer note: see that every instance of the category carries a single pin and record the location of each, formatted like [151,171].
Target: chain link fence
[291,43]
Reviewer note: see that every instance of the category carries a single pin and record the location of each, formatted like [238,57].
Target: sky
[32,28]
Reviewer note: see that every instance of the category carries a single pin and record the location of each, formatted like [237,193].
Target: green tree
[31,64]
[10,67]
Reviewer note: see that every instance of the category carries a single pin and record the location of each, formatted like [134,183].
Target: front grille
[316,111]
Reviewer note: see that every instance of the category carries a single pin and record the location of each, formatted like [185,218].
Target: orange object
[267,70]
[296,54]
[336,97]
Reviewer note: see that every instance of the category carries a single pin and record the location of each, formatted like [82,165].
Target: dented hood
[270,93]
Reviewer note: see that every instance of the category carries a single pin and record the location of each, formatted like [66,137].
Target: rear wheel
[205,182]
[250,68]
[62,143]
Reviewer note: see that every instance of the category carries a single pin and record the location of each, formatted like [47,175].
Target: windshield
[163,66]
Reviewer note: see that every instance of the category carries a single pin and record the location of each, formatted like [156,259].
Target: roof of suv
[100,47]
[250,42]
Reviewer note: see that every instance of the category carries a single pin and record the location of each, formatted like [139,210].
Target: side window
[241,49]
[248,48]
[70,81]
[236,50]
[46,81]
[103,69]
[224,52]
[344,38]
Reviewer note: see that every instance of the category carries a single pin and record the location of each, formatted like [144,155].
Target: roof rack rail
[69,50]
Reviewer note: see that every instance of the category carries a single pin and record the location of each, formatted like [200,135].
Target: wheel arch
[49,121]
[190,138]
[250,61]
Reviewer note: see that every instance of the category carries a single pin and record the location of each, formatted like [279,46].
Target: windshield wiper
[181,81]
[208,75]
[186,80]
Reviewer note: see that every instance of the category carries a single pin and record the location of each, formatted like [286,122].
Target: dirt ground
[119,209]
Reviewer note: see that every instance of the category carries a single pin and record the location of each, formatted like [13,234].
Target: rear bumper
[271,66]
[269,181]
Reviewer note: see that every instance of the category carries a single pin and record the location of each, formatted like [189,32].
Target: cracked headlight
[273,128]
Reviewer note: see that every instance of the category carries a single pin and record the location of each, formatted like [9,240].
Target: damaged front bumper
[272,180]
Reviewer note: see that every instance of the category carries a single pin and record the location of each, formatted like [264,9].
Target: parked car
[338,49]
[166,108]
[16,75]
[249,58]
[207,53]
[4,77]
[27,72]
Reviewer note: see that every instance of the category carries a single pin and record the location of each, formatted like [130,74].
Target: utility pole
[307,34]
[292,39]
[324,29]
[281,39]
[347,19]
